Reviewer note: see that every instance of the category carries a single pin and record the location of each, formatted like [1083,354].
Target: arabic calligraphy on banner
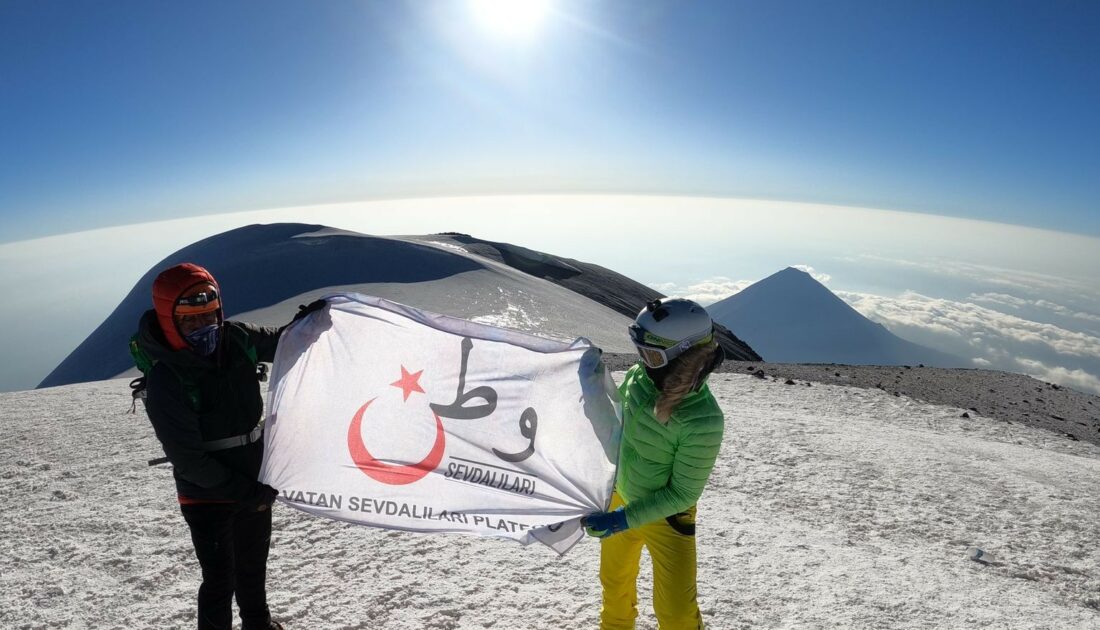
[385,415]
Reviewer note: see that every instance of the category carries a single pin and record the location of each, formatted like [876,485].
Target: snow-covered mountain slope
[266,271]
[614,290]
[789,317]
[829,507]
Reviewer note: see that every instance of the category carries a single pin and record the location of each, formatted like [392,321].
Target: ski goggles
[655,354]
[198,303]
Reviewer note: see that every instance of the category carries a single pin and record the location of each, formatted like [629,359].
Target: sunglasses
[198,303]
[656,356]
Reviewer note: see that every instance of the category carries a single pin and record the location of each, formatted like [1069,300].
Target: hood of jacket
[168,286]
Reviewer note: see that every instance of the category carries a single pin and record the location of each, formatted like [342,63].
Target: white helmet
[665,329]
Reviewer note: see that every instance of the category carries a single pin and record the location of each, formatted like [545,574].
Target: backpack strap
[220,445]
[143,363]
[237,440]
[241,337]
[137,353]
[137,391]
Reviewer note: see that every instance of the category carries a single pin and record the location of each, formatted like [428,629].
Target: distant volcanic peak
[790,317]
[794,278]
[791,271]
[788,293]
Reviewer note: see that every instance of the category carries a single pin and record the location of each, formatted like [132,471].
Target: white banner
[385,415]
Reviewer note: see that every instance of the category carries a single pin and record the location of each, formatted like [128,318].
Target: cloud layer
[1004,286]
[705,292]
[1002,301]
[990,338]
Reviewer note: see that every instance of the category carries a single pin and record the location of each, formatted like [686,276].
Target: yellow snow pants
[673,555]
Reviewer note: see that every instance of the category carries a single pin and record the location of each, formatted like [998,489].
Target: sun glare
[511,18]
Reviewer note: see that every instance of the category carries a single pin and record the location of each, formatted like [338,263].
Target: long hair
[683,375]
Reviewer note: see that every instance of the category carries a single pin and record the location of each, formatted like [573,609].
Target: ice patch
[514,317]
[450,246]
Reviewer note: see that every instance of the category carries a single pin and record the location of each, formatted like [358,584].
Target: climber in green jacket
[672,432]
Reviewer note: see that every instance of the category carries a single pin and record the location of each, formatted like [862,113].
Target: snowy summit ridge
[266,271]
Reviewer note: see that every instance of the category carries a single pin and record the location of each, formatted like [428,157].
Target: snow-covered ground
[829,507]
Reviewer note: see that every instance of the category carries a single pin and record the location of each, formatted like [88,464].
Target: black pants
[231,542]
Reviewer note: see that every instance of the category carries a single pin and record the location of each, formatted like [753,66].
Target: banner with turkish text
[385,415]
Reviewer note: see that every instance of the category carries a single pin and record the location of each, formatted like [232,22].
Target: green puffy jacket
[663,468]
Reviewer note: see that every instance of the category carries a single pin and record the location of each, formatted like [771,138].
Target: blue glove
[604,524]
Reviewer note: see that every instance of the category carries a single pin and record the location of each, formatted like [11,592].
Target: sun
[510,18]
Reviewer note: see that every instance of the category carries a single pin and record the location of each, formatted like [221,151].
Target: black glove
[261,497]
[304,310]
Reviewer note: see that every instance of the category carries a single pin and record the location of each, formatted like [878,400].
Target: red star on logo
[408,383]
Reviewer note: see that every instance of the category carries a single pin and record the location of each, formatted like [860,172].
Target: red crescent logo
[392,474]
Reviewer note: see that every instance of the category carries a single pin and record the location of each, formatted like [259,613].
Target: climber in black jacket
[204,401]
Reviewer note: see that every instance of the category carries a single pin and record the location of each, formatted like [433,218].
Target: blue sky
[121,112]
[748,136]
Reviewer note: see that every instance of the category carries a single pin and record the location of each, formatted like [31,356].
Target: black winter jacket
[193,399]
